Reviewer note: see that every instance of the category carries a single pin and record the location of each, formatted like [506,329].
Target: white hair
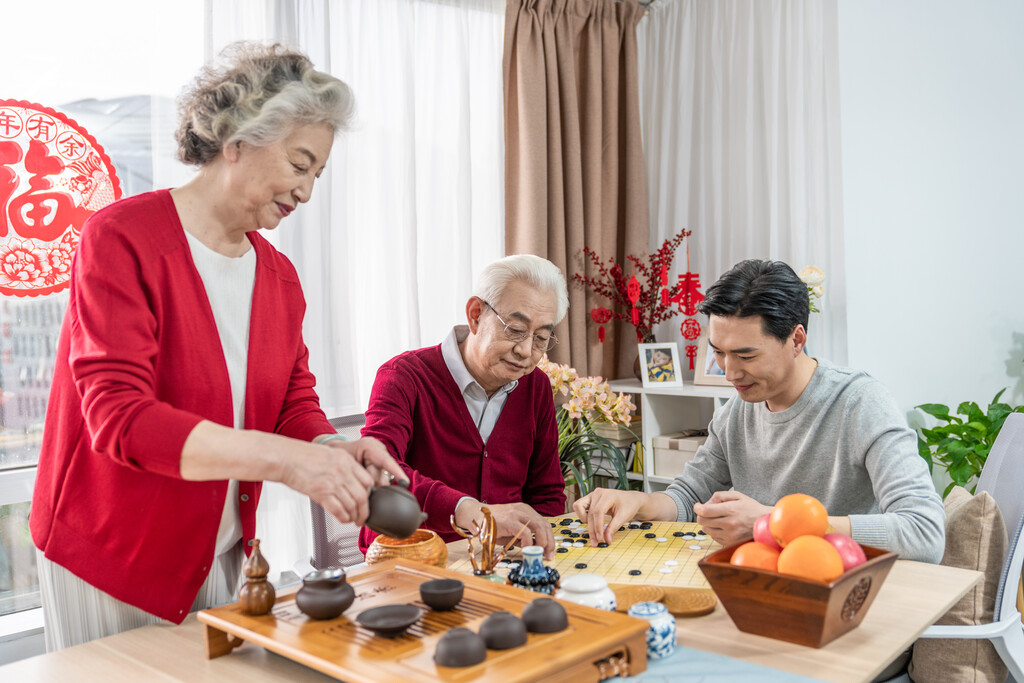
[534,270]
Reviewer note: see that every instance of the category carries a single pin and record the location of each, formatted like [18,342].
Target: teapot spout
[423,517]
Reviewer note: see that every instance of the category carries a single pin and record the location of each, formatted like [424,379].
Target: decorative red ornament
[691,353]
[690,329]
[633,290]
[53,176]
[664,275]
[600,316]
[634,316]
[688,296]
[664,297]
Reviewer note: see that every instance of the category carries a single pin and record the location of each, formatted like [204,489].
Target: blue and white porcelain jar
[532,574]
[587,589]
[661,635]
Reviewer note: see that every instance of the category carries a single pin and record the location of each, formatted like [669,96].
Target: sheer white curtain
[411,204]
[740,111]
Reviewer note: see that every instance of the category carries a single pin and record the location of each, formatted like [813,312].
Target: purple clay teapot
[394,511]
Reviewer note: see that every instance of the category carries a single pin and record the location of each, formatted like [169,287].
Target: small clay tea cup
[503,631]
[442,594]
[460,647]
[545,615]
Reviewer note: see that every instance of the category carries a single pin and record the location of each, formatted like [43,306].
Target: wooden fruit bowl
[423,546]
[793,609]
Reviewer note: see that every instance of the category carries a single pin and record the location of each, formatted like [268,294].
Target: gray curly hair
[257,94]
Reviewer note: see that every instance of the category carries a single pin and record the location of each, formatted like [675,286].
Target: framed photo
[705,369]
[660,365]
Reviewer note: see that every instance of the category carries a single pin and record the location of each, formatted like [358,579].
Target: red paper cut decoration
[633,292]
[691,353]
[664,275]
[690,329]
[688,296]
[53,176]
[600,316]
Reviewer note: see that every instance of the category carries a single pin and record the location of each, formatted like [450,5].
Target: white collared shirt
[484,411]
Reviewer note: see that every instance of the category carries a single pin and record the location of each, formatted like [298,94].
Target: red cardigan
[418,412]
[139,364]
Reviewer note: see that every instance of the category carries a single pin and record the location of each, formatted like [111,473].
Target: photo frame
[659,364]
[705,370]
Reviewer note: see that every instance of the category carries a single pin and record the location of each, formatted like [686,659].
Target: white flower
[812,276]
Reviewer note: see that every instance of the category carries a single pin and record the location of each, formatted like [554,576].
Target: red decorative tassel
[691,353]
[634,315]
[664,275]
[664,297]
[600,334]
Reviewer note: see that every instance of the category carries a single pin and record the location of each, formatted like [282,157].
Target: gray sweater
[843,442]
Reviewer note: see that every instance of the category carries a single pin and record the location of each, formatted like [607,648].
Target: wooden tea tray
[596,645]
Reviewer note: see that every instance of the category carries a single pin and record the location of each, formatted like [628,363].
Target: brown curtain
[574,168]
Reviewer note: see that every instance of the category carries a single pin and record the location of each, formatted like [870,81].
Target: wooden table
[913,596]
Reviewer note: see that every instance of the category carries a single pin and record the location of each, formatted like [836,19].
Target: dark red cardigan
[139,364]
[418,412]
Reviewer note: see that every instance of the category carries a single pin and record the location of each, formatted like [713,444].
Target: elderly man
[472,421]
[797,425]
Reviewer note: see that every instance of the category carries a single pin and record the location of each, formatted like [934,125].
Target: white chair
[1003,478]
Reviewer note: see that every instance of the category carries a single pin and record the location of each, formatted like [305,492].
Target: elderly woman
[181,378]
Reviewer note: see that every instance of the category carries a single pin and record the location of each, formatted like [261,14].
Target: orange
[811,557]
[756,555]
[797,515]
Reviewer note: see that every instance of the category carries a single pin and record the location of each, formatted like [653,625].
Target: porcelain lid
[584,583]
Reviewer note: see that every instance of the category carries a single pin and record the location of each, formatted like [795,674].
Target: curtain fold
[740,109]
[574,167]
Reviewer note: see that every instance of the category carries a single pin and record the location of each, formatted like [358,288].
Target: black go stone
[561,550]
[702,533]
[634,525]
[602,544]
[622,528]
[650,535]
[646,525]
[635,572]
[678,534]
[565,522]
[581,565]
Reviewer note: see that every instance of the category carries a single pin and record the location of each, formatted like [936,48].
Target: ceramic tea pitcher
[394,511]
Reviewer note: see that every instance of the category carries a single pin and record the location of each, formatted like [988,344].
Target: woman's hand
[339,476]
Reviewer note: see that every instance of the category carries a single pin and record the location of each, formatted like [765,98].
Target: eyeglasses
[541,341]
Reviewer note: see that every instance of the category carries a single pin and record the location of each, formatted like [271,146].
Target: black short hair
[770,289]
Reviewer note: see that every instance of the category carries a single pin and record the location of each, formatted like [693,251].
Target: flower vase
[639,366]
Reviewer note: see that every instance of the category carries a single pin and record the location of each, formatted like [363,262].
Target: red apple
[850,552]
[763,535]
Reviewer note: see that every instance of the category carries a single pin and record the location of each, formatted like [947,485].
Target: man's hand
[728,517]
[509,519]
[623,506]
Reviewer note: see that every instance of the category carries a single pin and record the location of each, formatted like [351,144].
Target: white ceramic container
[587,589]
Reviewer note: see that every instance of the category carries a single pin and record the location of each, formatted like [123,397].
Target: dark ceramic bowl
[442,594]
[460,647]
[503,631]
[545,615]
[390,621]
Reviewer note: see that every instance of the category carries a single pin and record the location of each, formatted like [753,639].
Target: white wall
[932,102]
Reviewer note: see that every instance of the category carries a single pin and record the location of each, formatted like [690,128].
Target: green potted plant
[961,444]
[582,402]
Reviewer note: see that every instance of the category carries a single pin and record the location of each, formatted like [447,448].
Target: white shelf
[670,409]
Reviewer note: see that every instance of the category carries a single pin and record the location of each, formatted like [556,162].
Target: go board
[668,562]
[595,645]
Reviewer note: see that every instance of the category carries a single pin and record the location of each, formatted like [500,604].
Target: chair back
[1003,474]
[1003,478]
[334,544]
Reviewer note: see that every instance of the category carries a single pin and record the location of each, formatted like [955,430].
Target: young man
[472,420]
[797,425]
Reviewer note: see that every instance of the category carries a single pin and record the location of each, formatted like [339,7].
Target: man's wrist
[462,500]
